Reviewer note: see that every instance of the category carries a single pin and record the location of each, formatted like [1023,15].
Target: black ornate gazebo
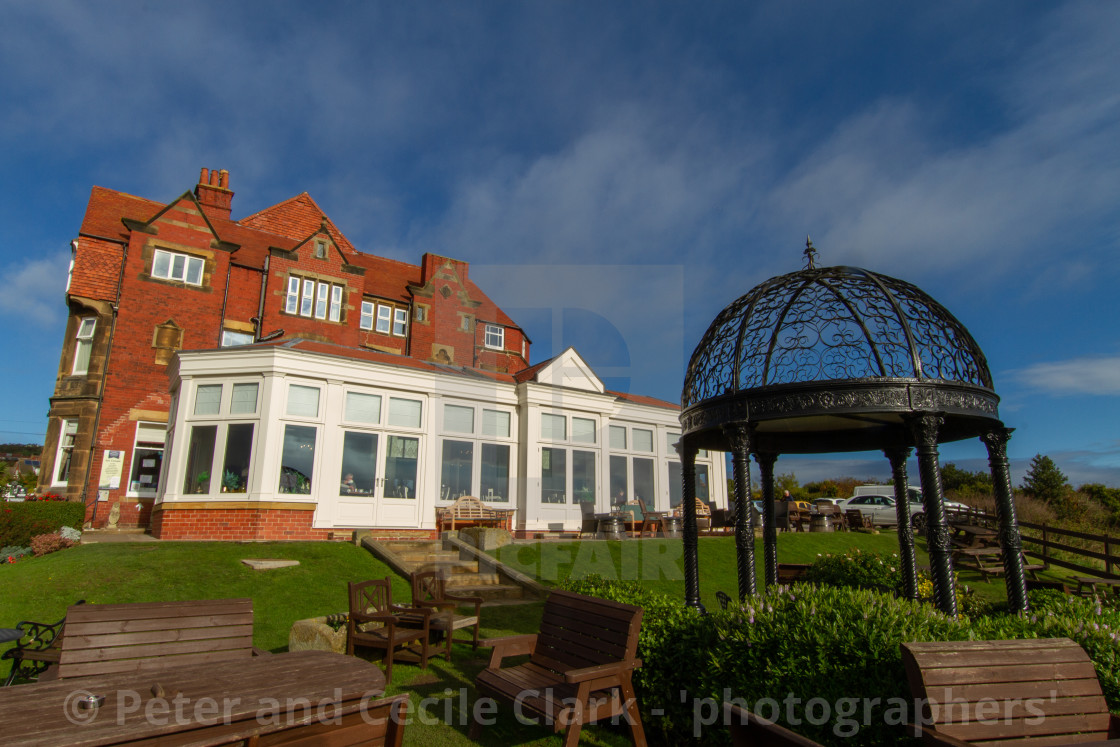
[838,359]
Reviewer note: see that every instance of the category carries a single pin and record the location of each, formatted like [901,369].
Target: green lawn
[42,588]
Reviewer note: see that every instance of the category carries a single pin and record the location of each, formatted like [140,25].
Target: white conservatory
[309,437]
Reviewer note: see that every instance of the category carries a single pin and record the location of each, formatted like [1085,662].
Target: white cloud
[897,185]
[1090,375]
[38,291]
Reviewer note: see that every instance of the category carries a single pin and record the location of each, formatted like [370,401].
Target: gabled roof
[282,226]
[297,218]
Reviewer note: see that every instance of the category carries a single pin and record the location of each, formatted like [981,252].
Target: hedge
[825,661]
[19,522]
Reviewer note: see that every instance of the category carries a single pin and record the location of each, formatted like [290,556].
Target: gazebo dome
[849,349]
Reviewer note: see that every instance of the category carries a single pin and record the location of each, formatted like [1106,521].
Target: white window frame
[365,321]
[400,322]
[292,304]
[232,338]
[184,272]
[67,438]
[495,337]
[307,300]
[384,319]
[321,300]
[336,303]
[141,427]
[84,346]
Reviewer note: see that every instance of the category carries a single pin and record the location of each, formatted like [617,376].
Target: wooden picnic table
[972,535]
[1092,583]
[200,703]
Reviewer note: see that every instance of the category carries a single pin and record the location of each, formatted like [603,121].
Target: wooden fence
[1044,540]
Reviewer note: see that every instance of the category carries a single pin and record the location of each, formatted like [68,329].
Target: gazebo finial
[810,254]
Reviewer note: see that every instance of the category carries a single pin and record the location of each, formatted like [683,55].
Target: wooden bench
[469,511]
[751,730]
[579,670]
[105,638]
[791,572]
[1044,691]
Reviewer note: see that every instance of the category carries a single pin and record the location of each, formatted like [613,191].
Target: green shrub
[860,570]
[13,553]
[809,651]
[881,572]
[19,522]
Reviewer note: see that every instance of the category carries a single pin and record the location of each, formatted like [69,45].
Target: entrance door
[377,485]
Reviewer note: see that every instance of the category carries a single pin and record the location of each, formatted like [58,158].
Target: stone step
[452,567]
[421,546]
[443,556]
[491,593]
[473,579]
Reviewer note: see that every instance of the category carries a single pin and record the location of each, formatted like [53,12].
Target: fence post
[1108,554]
[1045,546]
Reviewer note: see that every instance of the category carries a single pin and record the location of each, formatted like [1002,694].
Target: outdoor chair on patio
[855,519]
[375,622]
[429,590]
[651,520]
[589,520]
[37,651]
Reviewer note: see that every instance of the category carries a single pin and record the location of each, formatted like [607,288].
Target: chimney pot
[223,179]
[204,177]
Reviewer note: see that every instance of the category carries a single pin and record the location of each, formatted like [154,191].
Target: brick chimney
[214,194]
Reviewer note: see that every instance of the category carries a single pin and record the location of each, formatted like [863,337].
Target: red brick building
[148,279]
[260,378]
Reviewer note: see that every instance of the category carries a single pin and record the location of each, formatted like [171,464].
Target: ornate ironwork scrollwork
[832,324]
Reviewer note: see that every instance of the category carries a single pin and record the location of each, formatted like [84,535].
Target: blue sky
[614,172]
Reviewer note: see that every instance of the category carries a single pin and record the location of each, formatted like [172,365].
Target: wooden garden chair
[375,622]
[429,590]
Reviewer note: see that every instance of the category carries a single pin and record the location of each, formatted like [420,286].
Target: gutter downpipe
[260,302]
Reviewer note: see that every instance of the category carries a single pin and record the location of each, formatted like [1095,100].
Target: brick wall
[255,524]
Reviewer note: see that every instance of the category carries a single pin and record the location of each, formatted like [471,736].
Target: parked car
[914,493]
[881,508]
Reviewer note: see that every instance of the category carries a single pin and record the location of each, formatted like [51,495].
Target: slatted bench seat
[105,638]
[469,511]
[579,670]
[1001,693]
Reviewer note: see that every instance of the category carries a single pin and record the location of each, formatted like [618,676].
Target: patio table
[188,705]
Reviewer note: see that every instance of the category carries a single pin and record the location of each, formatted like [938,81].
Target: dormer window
[495,337]
[174,266]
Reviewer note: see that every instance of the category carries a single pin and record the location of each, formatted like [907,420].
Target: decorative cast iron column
[924,428]
[739,435]
[769,530]
[1010,542]
[687,454]
[906,556]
